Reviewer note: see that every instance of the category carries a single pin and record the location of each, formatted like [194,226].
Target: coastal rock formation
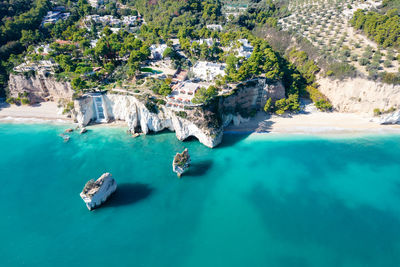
[205,123]
[181,162]
[200,123]
[96,192]
[251,95]
[360,95]
[39,88]
[392,118]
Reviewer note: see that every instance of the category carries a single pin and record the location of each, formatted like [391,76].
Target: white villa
[95,3]
[157,51]
[208,41]
[208,71]
[182,95]
[246,49]
[214,27]
[53,16]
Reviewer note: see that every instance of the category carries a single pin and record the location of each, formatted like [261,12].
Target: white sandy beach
[43,111]
[313,123]
[316,122]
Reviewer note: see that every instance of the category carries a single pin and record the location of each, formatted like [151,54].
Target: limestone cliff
[39,88]
[97,192]
[360,95]
[247,98]
[201,123]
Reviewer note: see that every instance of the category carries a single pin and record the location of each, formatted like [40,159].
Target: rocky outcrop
[39,88]
[360,95]
[181,162]
[200,122]
[205,123]
[392,118]
[251,95]
[97,192]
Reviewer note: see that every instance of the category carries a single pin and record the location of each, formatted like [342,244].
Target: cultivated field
[325,23]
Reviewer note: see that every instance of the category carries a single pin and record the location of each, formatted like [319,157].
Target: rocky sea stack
[97,192]
[181,162]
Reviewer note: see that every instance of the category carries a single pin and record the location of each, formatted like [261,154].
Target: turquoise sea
[259,200]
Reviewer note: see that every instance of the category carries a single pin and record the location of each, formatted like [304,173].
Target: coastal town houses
[208,71]
[109,20]
[53,16]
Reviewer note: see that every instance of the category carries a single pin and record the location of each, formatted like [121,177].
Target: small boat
[83,130]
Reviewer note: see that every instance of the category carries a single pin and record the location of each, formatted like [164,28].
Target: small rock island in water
[181,162]
[96,192]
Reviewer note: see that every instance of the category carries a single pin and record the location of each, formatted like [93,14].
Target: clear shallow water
[255,201]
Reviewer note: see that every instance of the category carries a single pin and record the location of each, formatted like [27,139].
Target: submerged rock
[96,192]
[181,162]
[65,137]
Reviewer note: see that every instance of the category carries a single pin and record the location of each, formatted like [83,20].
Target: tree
[268,105]
[204,96]
[78,84]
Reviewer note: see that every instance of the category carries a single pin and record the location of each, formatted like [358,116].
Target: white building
[95,3]
[214,27]
[53,16]
[246,49]
[43,49]
[208,71]
[129,20]
[208,41]
[182,95]
[157,51]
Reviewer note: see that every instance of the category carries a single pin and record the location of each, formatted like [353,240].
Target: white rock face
[39,88]
[139,118]
[96,192]
[360,95]
[393,118]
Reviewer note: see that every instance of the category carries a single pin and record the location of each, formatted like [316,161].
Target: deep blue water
[284,201]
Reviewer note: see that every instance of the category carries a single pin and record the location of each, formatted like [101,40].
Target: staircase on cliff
[98,106]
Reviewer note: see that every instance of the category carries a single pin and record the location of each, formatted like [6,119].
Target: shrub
[377,112]
[11,100]
[387,63]
[363,61]
[390,78]
[320,100]
[342,70]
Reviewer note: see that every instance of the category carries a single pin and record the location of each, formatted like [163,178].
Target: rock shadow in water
[199,168]
[129,193]
[229,139]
